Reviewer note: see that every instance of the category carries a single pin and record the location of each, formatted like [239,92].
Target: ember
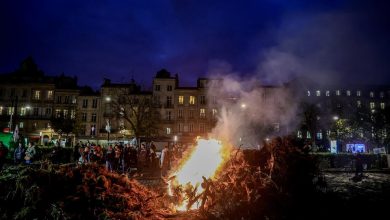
[203,162]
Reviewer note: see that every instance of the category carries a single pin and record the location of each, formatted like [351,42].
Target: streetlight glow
[243,105]
[335,117]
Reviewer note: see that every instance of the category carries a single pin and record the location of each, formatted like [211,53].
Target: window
[358,93]
[180,127]
[1,110]
[21,124]
[93,117]
[338,92]
[58,113]
[214,99]
[308,93]
[157,88]
[85,103]
[202,128]
[202,113]
[318,93]
[371,94]
[308,135]
[299,134]
[192,100]
[169,88]
[72,114]
[169,101]
[23,111]
[48,111]
[348,93]
[191,114]
[214,112]
[36,111]
[67,99]
[66,113]
[359,104]
[169,115]
[191,127]
[94,103]
[181,100]
[59,99]
[50,94]
[84,117]
[180,113]
[168,130]
[382,105]
[203,100]
[372,105]
[319,135]
[327,93]
[74,100]
[10,110]
[37,94]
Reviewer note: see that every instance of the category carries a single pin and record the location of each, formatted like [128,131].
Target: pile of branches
[68,192]
[278,184]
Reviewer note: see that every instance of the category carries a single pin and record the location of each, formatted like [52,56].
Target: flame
[205,159]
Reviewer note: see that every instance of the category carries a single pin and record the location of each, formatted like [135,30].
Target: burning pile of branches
[266,187]
[66,192]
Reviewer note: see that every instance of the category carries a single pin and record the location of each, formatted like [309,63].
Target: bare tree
[133,110]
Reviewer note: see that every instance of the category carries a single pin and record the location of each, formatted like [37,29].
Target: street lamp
[243,105]
[335,117]
[108,98]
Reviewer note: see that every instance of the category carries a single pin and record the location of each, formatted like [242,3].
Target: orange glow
[206,158]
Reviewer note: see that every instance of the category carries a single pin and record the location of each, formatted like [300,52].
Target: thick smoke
[248,112]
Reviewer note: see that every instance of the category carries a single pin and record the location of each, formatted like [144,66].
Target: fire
[205,160]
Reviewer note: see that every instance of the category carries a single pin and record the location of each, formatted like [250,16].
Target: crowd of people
[125,158]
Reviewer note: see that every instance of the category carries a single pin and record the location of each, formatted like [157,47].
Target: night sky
[272,40]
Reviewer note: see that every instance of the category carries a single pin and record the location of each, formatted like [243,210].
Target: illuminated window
[382,105]
[168,130]
[372,94]
[358,93]
[308,93]
[192,100]
[308,135]
[1,110]
[214,112]
[66,112]
[318,93]
[202,113]
[72,114]
[181,100]
[299,134]
[58,113]
[372,105]
[23,111]
[337,92]
[319,135]
[37,94]
[50,94]
[21,124]
[10,110]
[348,93]
[327,93]
[359,104]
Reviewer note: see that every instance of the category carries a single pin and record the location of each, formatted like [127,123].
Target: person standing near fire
[30,153]
[165,161]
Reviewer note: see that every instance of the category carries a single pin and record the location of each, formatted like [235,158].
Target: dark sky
[273,40]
